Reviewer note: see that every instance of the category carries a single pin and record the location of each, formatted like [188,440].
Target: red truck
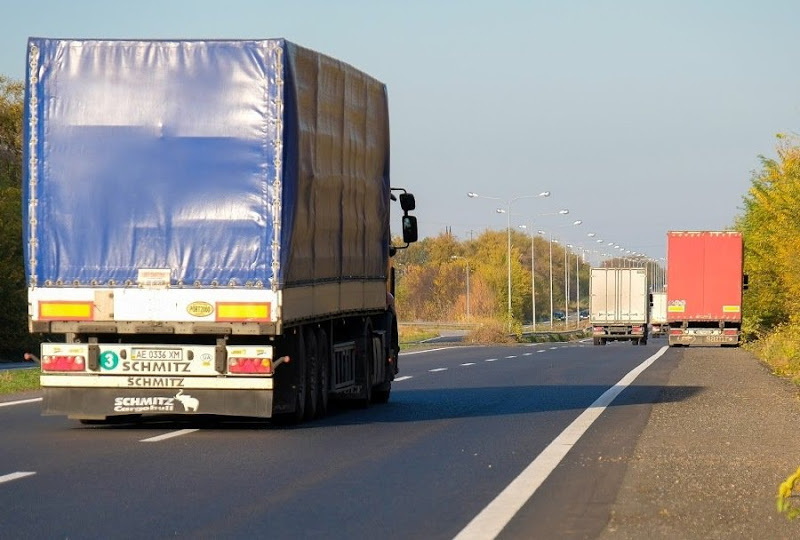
[705,281]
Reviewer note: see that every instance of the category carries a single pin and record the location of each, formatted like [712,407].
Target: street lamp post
[533,265]
[507,212]
[566,289]
[574,223]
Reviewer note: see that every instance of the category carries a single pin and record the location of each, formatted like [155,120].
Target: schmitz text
[155,367]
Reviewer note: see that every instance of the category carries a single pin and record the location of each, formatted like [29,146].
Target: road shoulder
[708,465]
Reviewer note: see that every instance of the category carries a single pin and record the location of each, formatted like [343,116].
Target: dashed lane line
[512,356]
[169,435]
[434,370]
[20,402]
[15,476]
[465,364]
[403,378]
[491,360]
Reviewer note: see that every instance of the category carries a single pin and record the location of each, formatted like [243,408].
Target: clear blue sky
[639,116]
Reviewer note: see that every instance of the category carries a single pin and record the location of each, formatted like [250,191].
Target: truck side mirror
[745,282]
[407,202]
[409,227]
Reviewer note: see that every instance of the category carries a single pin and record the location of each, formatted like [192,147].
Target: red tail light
[63,363]
[676,332]
[598,330]
[637,330]
[249,365]
[730,332]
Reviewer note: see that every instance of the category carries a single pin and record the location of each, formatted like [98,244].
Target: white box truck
[658,314]
[619,305]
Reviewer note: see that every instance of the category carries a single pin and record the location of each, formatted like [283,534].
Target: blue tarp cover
[230,163]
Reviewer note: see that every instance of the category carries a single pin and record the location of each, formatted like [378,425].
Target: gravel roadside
[709,463]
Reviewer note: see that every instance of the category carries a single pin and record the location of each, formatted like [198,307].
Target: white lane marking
[493,519]
[527,354]
[491,359]
[512,356]
[553,348]
[15,476]
[468,364]
[425,351]
[403,378]
[541,351]
[434,370]
[20,402]
[169,435]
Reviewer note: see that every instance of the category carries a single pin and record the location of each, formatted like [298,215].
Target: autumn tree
[14,337]
[771,233]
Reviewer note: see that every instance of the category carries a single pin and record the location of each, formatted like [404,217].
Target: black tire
[596,341]
[311,374]
[296,383]
[323,383]
[366,367]
[603,341]
[381,393]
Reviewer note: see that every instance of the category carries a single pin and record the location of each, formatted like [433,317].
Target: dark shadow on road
[438,404]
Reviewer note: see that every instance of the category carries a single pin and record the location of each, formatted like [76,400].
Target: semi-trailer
[207,226]
[705,281]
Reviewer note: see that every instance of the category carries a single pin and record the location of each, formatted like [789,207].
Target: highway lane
[463,424]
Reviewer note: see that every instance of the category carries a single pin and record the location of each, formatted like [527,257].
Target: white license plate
[156,354]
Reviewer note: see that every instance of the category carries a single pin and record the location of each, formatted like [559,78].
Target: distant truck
[658,314]
[208,225]
[705,281]
[619,305]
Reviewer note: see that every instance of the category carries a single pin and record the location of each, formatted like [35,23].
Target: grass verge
[780,349]
[19,380]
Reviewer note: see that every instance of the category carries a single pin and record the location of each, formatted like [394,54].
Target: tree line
[771,230]
[14,337]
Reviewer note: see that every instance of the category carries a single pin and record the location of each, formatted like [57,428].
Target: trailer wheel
[366,366]
[311,374]
[596,341]
[381,393]
[323,383]
[295,386]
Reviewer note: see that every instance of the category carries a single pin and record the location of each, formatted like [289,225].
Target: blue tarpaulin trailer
[221,203]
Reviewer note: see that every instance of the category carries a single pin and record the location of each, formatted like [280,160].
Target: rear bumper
[619,332]
[103,402]
[702,340]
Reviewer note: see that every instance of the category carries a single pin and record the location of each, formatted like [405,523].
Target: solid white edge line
[20,402]
[169,435]
[493,519]
[15,476]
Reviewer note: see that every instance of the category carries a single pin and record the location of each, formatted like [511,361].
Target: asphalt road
[463,423]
